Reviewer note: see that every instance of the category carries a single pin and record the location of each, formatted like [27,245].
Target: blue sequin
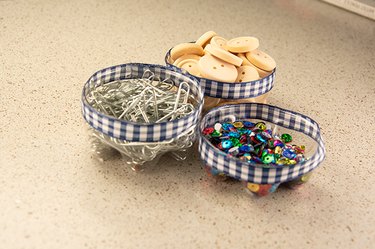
[248,124]
[246,148]
[226,144]
[261,138]
[290,154]
[227,127]
[234,134]
[245,131]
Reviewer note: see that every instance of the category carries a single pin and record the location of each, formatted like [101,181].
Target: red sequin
[208,130]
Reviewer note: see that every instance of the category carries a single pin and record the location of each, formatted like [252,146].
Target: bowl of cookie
[229,71]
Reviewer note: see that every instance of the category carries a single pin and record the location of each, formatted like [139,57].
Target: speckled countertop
[54,194]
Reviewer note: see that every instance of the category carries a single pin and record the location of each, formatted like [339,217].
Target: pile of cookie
[213,57]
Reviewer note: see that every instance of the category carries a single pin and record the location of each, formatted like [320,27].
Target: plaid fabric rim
[257,173]
[225,90]
[130,131]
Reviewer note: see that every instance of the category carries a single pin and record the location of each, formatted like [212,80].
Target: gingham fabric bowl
[129,131]
[261,173]
[225,90]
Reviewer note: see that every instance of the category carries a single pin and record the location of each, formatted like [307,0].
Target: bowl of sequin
[142,111]
[229,71]
[261,145]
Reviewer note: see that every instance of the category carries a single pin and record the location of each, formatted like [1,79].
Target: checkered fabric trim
[257,173]
[223,90]
[130,131]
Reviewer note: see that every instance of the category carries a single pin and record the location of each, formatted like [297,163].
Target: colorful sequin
[254,143]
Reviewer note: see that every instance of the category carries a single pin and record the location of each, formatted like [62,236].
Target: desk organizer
[262,179]
[142,128]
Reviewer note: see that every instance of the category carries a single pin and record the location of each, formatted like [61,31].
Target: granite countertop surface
[55,194]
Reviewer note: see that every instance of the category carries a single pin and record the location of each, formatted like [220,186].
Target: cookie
[213,68]
[247,73]
[261,60]
[185,57]
[186,48]
[205,38]
[261,72]
[242,44]
[245,61]
[219,42]
[224,55]
[190,65]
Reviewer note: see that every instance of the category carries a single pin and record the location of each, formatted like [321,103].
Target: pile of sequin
[254,143]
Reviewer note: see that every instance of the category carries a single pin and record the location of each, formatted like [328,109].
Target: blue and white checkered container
[214,91]
[152,139]
[260,178]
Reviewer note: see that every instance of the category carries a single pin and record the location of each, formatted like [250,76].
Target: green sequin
[242,131]
[215,134]
[286,138]
[270,143]
[236,142]
[267,158]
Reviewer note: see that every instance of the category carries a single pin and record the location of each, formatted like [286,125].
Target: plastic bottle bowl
[142,142]
[214,91]
[262,179]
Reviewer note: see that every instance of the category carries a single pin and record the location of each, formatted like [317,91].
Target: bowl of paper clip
[142,111]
